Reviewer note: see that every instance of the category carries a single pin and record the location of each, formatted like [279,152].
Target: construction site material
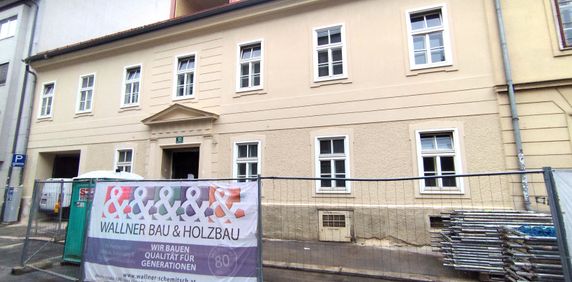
[470,239]
[531,255]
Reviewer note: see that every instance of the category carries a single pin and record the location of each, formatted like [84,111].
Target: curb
[350,271]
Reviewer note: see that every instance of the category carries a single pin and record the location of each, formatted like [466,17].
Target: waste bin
[82,189]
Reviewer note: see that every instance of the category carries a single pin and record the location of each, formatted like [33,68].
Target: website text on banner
[172,231]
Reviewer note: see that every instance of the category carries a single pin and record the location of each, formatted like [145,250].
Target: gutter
[513,109]
[145,29]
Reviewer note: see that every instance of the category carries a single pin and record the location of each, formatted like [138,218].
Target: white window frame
[317,159]
[43,96]
[560,26]
[446,37]
[81,89]
[459,189]
[236,160]
[125,69]
[317,48]
[177,72]
[239,63]
[116,159]
[8,27]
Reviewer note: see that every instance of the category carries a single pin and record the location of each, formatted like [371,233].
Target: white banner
[172,231]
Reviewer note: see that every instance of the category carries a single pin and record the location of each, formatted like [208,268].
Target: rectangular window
[247,160]
[124,160]
[332,162]
[8,27]
[47,100]
[329,54]
[3,73]
[438,155]
[250,74]
[85,100]
[132,86]
[564,14]
[428,38]
[185,77]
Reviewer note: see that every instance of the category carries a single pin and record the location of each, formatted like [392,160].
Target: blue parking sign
[18,160]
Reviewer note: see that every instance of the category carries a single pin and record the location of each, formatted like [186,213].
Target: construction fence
[386,227]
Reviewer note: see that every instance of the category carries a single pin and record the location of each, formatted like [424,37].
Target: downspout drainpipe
[513,110]
[16,140]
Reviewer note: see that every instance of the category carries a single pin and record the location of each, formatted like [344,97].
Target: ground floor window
[124,161]
[438,154]
[246,160]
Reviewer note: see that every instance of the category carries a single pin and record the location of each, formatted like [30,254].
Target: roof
[145,29]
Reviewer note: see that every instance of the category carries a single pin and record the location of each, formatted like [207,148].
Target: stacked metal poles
[531,257]
[470,239]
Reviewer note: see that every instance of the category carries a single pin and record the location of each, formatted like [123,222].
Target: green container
[75,234]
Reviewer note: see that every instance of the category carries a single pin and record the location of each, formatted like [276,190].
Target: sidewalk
[283,261]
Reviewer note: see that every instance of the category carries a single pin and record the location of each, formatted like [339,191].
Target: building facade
[313,88]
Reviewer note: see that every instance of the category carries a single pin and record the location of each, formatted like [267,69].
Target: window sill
[333,81]
[334,194]
[45,119]
[562,52]
[192,98]
[83,114]
[129,108]
[442,192]
[250,92]
[431,69]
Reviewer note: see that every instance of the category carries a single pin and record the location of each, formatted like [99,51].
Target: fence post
[556,212]
[259,184]
[60,209]
[31,216]
[88,207]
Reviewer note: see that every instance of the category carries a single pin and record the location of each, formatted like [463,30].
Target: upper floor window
[329,54]
[8,27]
[250,73]
[428,38]
[132,86]
[438,155]
[3,73]
[564,13]
[247,160]
[85,99]
[332,161]
[185,77]
[47,100]
[124,161]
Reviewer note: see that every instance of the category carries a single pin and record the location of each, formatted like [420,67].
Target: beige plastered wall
[543,79]
[378,106]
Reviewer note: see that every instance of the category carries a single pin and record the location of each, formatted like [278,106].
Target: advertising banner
[172,231]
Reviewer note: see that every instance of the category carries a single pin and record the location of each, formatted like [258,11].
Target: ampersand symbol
[165,195]
[220,202]
[144,208]
[176,231]
[199,212]
[114,197]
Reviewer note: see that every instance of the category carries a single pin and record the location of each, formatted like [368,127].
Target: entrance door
[185,163]
[65,166]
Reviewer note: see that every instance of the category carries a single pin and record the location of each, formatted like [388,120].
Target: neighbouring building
[539,38]
[314,88]
[28,27]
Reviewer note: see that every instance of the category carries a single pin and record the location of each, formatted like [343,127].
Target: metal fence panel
[383,227]
[47,222]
